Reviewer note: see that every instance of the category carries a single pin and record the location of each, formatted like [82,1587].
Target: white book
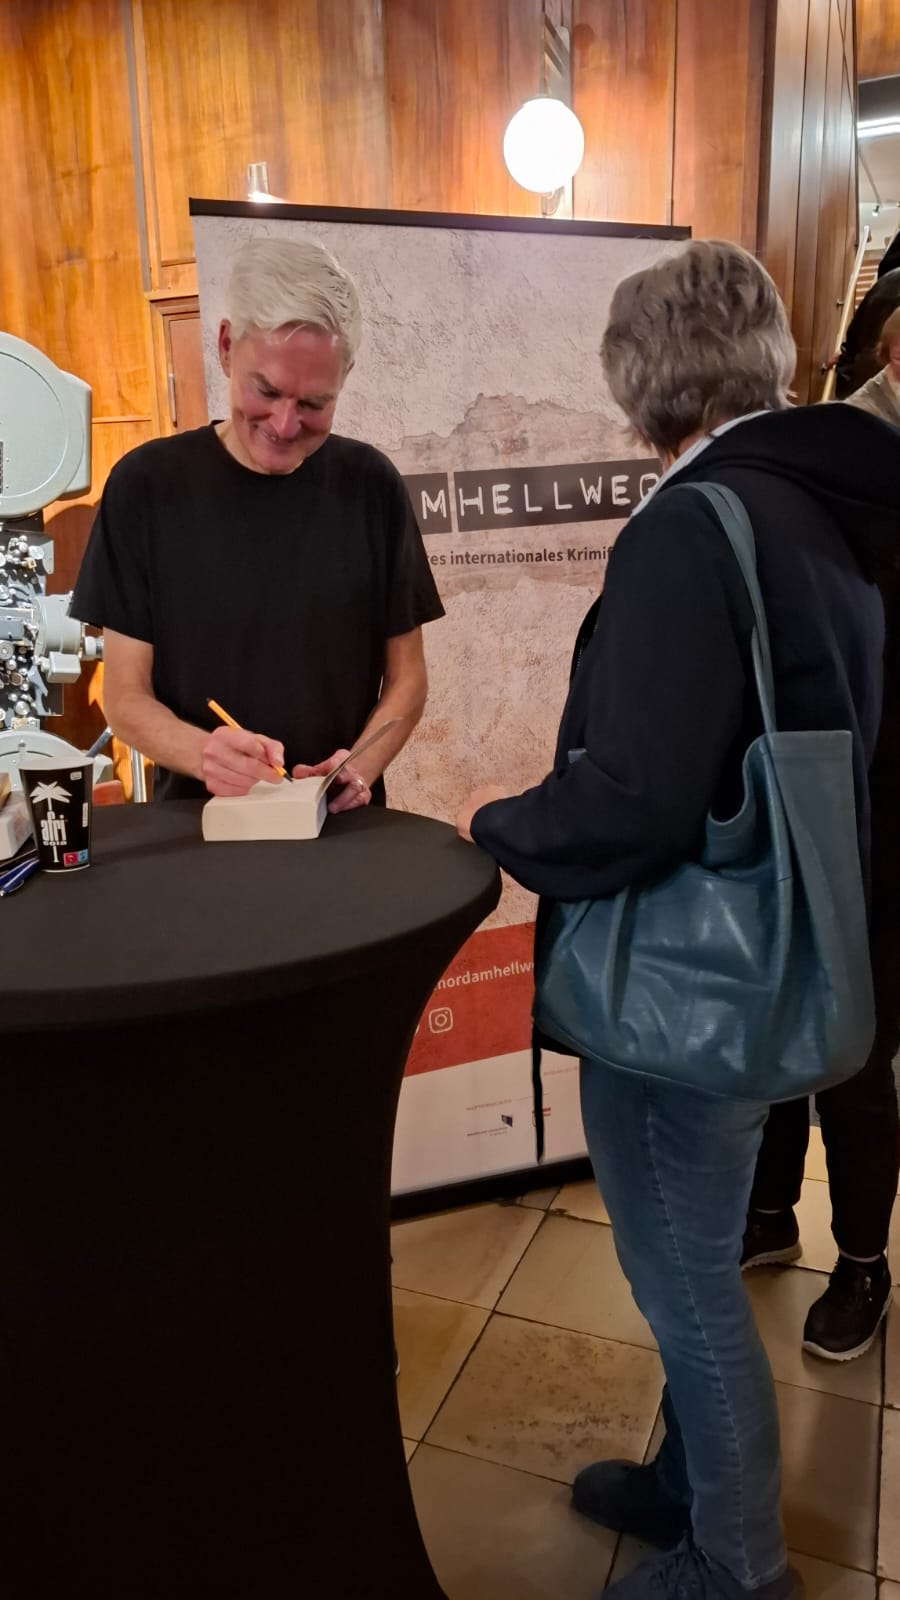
[15,825]
[270,811]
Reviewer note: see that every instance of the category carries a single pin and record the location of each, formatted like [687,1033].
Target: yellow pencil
[230,723]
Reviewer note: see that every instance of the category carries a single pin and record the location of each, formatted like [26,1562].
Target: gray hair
[699,338]
[293,283]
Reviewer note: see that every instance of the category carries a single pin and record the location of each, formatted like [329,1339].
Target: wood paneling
[178,346]
[808,209]
[783,125]
[624,86]
[456,73]
[718,115]
[831,251]
[878,38]
[70,267]
[296,83]
[403,103]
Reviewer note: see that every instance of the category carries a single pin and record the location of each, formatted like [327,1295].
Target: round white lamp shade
[543,145]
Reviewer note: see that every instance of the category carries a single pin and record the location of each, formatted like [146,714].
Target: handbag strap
[731,514]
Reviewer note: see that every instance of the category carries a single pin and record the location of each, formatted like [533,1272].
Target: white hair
[293,283]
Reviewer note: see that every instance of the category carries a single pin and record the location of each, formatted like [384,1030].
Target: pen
[230,723]
[11,881]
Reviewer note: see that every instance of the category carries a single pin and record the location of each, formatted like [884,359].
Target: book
[15,825]
[270,811]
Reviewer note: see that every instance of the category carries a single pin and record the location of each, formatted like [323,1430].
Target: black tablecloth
[162,923]
[201,1049]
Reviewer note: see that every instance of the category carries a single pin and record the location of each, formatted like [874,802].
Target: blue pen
[10,868]
[11,881]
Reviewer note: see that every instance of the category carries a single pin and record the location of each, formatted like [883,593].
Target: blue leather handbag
[746,973]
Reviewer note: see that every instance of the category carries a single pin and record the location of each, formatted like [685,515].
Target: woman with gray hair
[662,707]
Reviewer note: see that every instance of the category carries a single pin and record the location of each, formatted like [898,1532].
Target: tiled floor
[523,1357]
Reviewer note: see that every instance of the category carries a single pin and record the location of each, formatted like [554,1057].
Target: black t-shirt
[272,595]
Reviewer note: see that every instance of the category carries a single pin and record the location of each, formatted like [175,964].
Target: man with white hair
[263,561]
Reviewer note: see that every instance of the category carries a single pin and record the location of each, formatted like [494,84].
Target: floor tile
[466,1255]
[822,1580]
[814,1216]
[816,1166]
[582,1200]
[892,1359]
[496,1534]
[889,1591]
[830,1467]
[894,1245]
[540,1199]
[549,1401]
[433,1339]
[410,1446]
[889,1520]
[780,1301]
[569,1277]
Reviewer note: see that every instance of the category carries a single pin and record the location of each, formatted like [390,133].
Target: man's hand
[348,791]
[233,760]
[478,797]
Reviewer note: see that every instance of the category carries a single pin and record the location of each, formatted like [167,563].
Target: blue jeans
[675,1169]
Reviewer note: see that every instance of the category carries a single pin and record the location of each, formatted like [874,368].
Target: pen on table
[229,722]
[11,881]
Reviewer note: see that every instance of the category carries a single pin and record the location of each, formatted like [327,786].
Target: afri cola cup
[59,796]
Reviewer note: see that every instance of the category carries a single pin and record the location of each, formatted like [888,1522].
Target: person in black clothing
[858,361]
[859,1119]
[262,561]
[891,257]
[661,709]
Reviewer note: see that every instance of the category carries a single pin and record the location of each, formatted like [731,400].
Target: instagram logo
[440,1020]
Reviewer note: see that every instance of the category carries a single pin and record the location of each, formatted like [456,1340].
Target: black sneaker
[843,1323]
[629,1499]
[771,1238]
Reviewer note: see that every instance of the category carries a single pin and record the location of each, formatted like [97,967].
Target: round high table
[201,1051]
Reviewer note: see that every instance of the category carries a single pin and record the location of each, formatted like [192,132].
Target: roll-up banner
[479,376]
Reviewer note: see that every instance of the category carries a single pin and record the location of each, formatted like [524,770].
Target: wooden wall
[114,112]
[878,33]
[808,211]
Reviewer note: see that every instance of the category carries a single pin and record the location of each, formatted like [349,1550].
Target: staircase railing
[847,304]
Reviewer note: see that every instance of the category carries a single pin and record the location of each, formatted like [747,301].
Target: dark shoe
[844,1321]
[772,1238]
[627,1498]
[688,1574]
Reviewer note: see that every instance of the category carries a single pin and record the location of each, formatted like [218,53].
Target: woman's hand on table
[234,759]
[478,797]
[348,791]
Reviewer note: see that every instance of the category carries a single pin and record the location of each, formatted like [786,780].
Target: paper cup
[59,797]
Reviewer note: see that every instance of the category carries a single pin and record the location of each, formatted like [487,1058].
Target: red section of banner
[482,1005]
